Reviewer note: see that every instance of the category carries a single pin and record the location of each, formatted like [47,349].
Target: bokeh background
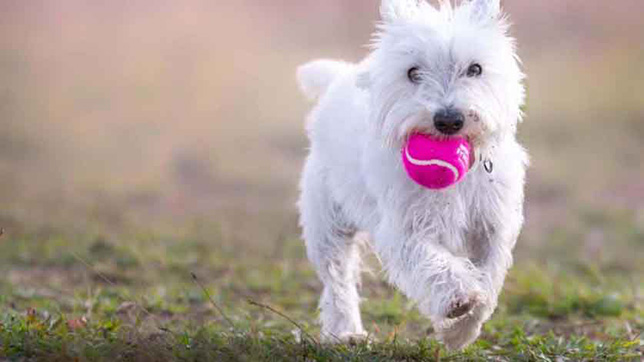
[184,117]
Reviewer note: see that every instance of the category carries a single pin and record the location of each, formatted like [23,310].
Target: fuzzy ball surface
[436,163]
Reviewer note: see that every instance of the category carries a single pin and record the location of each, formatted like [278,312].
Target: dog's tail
[315,77]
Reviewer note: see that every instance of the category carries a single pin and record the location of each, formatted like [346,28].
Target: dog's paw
[351,338]
[462,305]
[464,322]
[461,333]
[451,307]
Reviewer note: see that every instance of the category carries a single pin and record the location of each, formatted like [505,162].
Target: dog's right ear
[393,10]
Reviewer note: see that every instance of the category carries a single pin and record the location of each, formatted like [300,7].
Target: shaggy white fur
[447,250]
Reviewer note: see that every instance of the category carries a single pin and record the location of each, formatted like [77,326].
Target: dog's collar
[483,158]
[488,165]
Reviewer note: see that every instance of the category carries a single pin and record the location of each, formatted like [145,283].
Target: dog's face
[449,72]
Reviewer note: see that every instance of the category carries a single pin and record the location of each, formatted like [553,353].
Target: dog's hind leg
[335,255]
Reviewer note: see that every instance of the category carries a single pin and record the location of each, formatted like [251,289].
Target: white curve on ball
[441,163]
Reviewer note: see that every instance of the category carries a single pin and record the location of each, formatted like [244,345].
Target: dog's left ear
[486,9]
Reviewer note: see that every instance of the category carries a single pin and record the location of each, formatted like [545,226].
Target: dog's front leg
[493,259]
[497,258]
[446,287]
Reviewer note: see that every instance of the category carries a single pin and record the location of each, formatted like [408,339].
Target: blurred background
[184,117]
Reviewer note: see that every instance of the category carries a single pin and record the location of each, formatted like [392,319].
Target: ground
[89,297]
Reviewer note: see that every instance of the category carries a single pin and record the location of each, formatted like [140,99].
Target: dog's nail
[460,309]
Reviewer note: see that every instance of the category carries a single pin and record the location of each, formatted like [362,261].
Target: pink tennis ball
[436,163]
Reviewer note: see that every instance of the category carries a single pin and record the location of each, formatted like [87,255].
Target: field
[149,166]
[154,297]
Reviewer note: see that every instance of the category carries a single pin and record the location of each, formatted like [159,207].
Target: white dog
[447,71]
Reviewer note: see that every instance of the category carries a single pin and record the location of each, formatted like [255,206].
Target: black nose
[449,121]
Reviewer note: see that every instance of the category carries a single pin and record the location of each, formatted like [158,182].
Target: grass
[152,297]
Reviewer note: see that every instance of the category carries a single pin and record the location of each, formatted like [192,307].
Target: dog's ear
[486,9]
[392,10]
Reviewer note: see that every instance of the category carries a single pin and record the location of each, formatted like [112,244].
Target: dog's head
[447,71]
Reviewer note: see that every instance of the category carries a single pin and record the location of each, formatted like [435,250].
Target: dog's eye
[415,76]
[474,70]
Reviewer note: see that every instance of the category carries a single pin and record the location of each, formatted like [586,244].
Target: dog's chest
[439,217]
[455,219]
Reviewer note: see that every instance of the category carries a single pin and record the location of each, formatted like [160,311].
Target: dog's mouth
[473,151]
[473,142]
